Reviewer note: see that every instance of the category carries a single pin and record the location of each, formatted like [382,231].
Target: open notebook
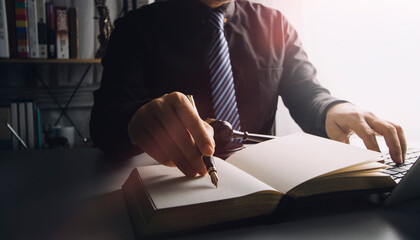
[251,182]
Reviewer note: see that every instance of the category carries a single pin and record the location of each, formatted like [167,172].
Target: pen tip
[214,178]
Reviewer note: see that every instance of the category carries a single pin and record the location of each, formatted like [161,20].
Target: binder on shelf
[22,34]
[62,28]
[4,38]
[33,29]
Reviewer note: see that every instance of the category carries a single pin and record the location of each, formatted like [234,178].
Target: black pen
[208,160]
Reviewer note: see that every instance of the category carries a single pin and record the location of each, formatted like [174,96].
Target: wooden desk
[76,194]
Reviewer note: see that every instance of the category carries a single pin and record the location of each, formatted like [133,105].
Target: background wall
[366,51]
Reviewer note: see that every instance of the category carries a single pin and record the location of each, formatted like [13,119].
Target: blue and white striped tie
[221,78]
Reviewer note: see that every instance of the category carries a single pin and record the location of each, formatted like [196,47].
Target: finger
[391,137]
[144,140]
[337,133]
[170,149]
[154,128]
[401,137]
[182,138]
[190,119]
[367,134]
[149,145]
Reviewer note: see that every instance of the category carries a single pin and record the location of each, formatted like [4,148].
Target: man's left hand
[344,119]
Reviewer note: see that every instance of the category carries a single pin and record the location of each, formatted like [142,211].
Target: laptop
[407,177]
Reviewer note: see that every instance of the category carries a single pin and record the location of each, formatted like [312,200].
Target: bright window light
[366,51]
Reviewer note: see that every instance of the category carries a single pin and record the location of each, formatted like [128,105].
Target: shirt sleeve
[123,90]
[307,101]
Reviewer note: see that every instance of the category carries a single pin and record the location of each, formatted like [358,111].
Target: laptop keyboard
[398,171]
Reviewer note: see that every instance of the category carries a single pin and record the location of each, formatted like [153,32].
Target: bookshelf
[61,104]
[62,88]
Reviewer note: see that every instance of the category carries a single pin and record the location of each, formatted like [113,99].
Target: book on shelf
[62,30]
[38,29]
[22,125]
[11,27]
[51,30]
[22,32]
[42,29]
[252,182]
[73,33]
[33,29]
[30,124]
[4,34]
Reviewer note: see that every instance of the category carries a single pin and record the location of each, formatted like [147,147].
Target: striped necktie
[221,78]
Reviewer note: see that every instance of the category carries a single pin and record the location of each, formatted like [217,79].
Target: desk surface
[76,194]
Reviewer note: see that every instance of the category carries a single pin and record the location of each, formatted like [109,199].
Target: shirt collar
[201,10]
[228,9]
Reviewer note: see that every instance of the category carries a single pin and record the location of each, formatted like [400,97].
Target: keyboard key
[386,171]
[398,171]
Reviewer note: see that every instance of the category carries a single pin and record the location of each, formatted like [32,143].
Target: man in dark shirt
[159,52]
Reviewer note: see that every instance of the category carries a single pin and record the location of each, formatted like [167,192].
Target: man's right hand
[170,130]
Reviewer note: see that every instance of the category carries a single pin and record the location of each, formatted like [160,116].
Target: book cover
[4,38]
[42,29]
[22,32]
[33,29]
[73,33]
[11,27]
[51,30]
[62,29]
